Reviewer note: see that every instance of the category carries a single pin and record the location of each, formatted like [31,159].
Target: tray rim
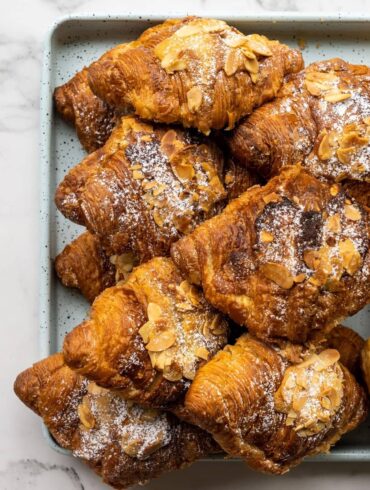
[338,454]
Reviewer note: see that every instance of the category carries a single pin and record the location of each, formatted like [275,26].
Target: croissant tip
[74,347]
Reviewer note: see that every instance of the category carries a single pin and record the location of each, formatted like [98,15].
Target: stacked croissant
[226,201]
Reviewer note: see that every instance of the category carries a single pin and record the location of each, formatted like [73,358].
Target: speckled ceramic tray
[76,41]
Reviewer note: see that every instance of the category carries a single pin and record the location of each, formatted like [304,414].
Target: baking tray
[75,41]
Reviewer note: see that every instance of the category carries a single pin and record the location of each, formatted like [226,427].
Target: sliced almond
[367,121]
[312,259]
[194,98]
[266,236]
[154,312]
[351,212]
[325,402]
[137,175]
[202,352]
[85,416]
[325,150]
[251,65]
[161,342]
[136,167]
[277,273]
[328,357]
[259,45]
[233,61]
[350,256]
[158,218]
[145,331]
[149,185]
[336,96]
[333,223]
[344,154]
[159,189]
[172,373]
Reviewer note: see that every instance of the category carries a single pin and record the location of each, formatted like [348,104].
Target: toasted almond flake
[333,223]
[159,189]
[159,221]
[299,278]
[325,150]
[137,175]
[272,197]
[146,137]
[266,236]
[367,120]
[161,342]
[154,312]
[336,96]
[85,416]
[334,189]
[194,98]
[149,185]
[351,212]
[296,199]
[299,403]
[202,352]
[235,41]
[189,373]
[254,77]
[251,65]
[328,357]
[172,373]
[189,30]
[344,154]
[277,273]
[312,259]
[233,62]
[135,167]
[350,256]
[145,331]
[259,45]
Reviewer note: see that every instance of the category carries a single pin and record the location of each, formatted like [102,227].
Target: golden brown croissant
[365,363]
[84,263]
[270,409]
[201,73]
[321,117]
[147,337]
[93,119]
[148,186]
[285,259]
[123,443]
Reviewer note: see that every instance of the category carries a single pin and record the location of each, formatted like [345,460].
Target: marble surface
[26,462]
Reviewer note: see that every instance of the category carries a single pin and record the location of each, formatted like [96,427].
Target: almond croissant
[84,264]
[93,119]
[123,443]
[148,186]
[285,259]
[201,73]
[148,336]
[270,409]
[321,117]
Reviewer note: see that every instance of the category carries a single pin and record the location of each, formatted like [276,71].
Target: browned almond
[162,341]
[277,273]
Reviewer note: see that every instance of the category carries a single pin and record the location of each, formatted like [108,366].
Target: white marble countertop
[26,461]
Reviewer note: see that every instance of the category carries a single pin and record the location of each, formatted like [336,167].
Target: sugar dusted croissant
[285,259]
[272,410]
[148,186]
[93,119]
[321,117]
[201,73]
[123,443]
[147,337]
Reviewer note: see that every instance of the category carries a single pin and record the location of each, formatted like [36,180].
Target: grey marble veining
[26,462]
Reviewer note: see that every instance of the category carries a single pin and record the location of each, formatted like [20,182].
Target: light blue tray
[76,41]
